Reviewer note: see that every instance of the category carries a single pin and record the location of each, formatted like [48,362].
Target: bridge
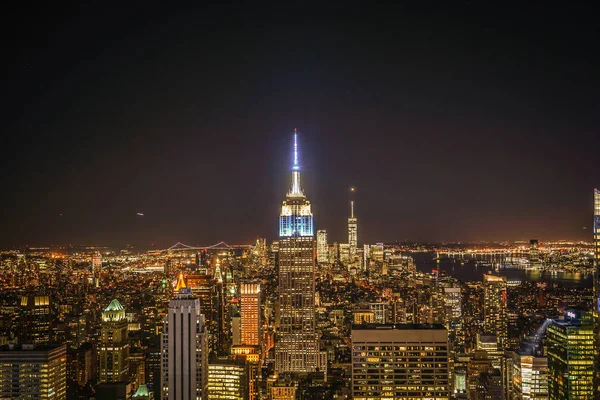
[217,246]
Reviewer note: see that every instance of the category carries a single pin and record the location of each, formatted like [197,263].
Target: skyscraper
[113,351]
[184,355]
[596,310]
[250,313]
[297,347]
[495,320]
[352,233]
[322,247]
[570,350]
[400,362]
[35,317]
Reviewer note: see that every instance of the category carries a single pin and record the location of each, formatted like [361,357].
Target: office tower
[527,376]
[400,361]
[479,364]
[489,344]
[227,380]
[489,385]
[184,355]
[206,289]
[322,247]
[113,350]
[453,313]
[379,312]
[297,347]
[352,233]
[236,330]
[596,308]
[534,252]
[344,249]
[569,346]
[32,371]
[495,319]
[35,317]
[250,313]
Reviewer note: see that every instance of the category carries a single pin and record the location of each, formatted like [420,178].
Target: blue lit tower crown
[296,217]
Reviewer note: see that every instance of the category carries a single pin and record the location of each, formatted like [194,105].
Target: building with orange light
[250,313]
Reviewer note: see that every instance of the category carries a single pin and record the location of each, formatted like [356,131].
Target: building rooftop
[114,306]
[396,326]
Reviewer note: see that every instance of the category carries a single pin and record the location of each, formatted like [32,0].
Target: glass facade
[569,347]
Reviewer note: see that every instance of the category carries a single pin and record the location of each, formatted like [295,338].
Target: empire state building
[297,345]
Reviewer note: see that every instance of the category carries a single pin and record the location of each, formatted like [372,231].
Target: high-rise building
[322,247]
[250,313]
[31,371]
[400,361]
[35,317]
[453,314]
[489,344]
[569,346]
[184,355]
[297,347]
[113,350]
[227,380]
[596,308]
[352,233]
[527,376]
[495,319]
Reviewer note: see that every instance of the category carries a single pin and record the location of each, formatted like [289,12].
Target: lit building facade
[184,355]
[352,233]
[322,247]
[569,347]
[400,362]
[527,376]
[33,372]
[596,309]
[35,316]
[495,320]
[250,313]
[297,346]
[113,350]
[227,381]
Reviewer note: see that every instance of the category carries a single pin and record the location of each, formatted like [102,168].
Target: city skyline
[174,113]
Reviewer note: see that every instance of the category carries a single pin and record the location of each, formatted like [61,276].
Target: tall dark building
[35,317]
[297,347]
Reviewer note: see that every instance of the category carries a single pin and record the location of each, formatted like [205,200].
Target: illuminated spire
[296,190]
[352,209]
[296,166]
[180,282]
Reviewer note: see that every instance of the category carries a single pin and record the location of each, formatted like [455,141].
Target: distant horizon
[161,246]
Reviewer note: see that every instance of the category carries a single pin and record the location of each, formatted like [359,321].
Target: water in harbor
[473,271]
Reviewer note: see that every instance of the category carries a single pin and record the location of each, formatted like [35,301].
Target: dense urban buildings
[303,316]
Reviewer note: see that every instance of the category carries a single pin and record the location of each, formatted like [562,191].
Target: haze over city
[459,123]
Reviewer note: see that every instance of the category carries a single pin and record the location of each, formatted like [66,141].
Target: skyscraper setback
[297,346]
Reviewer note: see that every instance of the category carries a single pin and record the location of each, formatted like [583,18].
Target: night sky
[469,122]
